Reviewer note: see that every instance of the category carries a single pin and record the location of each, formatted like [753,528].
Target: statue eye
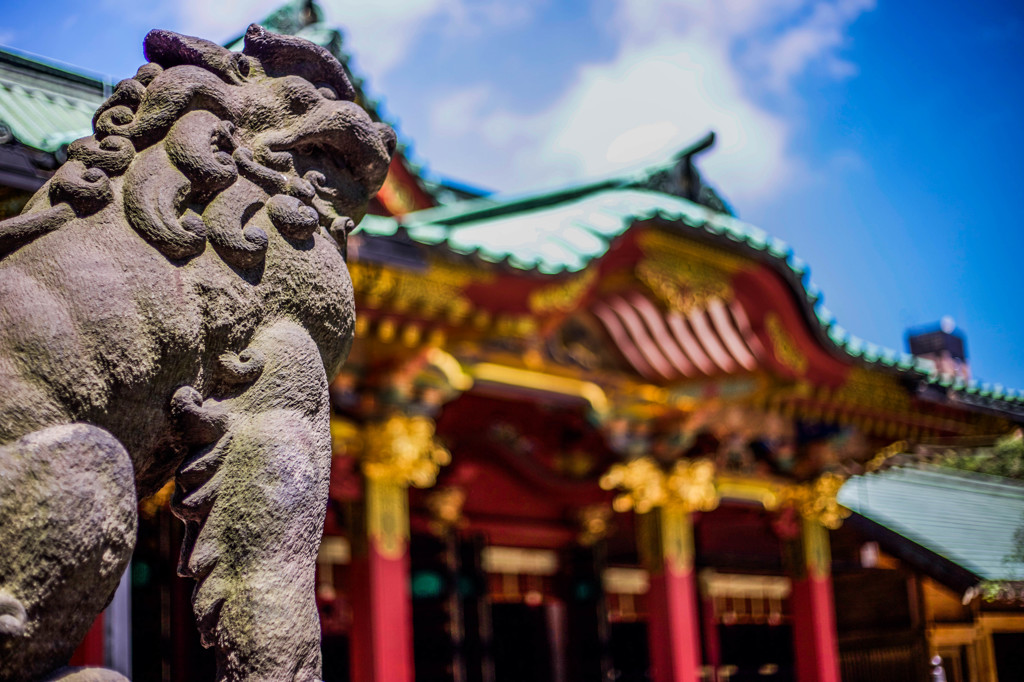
[327,92]
[242,64]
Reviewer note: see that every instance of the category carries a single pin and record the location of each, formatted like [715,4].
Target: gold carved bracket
[397,452]
[688,486]
[684,275]
[402,449]
[664,502]
[816,501]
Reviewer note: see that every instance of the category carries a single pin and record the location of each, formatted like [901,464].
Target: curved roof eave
[609,208]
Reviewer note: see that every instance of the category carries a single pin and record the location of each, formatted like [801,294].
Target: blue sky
[882,139]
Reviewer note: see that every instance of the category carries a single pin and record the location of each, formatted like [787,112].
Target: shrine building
[601,433]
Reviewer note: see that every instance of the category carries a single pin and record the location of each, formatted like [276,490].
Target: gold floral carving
[865,388]
[664,502]
[402,449]
[642,482]
[689,486]
[816,501]
[685,275]
[783,346]
[397,452]
[595,520]
[445,506]
[564,296]
[517,326]
[439,292]
[684,287]
[883,455]
[674,250]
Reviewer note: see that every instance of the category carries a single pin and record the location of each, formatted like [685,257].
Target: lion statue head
[198,119]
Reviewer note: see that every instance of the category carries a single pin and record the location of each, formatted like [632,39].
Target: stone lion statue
[172,303]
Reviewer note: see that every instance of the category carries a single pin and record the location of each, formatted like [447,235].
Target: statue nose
[387,135]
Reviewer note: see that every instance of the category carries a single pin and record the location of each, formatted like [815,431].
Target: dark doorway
[630,655]
[335,651]
[759,653]
[522,650]
[1009,657]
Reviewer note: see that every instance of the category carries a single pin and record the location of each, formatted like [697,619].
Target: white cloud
[448,115]
[640,142]
[681,69]
[379,33]
[815,40]
[221,20]
[635,110]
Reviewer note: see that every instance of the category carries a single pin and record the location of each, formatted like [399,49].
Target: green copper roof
[974,521]
[564,230]
[44,106]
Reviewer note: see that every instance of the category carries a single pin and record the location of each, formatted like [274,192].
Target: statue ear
[168,49]
[281,55]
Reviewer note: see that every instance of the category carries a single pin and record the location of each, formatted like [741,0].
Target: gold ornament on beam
[445,506]
[594,520]
[564,296]
[688,487]
[402,449]
[816,501]
[886,453]
[691,485]
[783,346]
[642,481]
[346,436]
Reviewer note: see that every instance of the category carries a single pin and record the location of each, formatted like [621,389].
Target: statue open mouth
[336,188]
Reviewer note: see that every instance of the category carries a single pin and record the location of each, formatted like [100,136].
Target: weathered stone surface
[253,500]
[67,529]
[86,675]
[174,298]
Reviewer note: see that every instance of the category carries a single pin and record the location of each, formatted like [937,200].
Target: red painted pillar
[814,619]
[665,536]
[91,651]
[381,641]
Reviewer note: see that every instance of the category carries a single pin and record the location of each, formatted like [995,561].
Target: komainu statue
[172,303]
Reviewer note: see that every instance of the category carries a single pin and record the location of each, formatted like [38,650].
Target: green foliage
[1006,591]
[1005,458]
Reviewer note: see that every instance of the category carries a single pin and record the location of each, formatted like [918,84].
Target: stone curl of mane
[179,112]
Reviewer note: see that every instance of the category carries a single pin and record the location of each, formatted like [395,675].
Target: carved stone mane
[196,107]
[172,302]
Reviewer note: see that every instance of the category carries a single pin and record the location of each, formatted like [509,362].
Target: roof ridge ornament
[682,179]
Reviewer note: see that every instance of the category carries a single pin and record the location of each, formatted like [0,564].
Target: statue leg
[67,529]
[253,502]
